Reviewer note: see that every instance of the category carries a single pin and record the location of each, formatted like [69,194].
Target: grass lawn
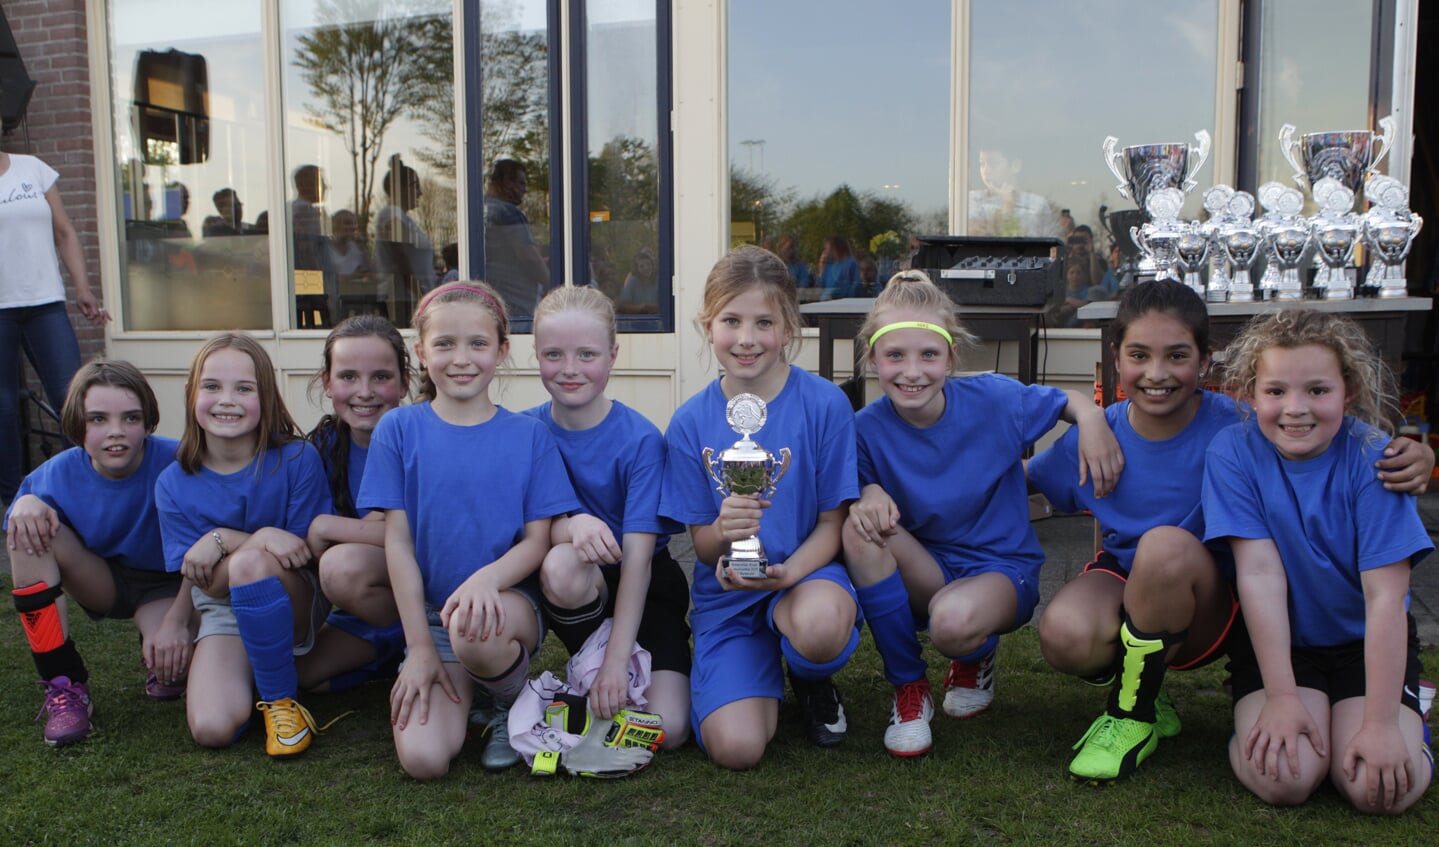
[996,779]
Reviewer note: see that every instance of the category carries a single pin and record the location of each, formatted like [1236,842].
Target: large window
[370,154]
[839,118]
[190,147]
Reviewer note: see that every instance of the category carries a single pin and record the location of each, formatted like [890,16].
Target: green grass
[996,779]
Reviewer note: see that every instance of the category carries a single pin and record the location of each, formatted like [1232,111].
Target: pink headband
[425,303]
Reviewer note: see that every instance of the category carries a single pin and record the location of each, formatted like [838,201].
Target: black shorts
[1105,562]
[1337,671]
[664,629]
[135,587]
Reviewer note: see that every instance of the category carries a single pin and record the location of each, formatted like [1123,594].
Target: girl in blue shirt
[803,611]
[234,511]
[87,517]
[469,490]
[1326,685]
[610,559]
[942,524]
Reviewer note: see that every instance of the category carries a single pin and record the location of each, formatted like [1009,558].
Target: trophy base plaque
[746,558]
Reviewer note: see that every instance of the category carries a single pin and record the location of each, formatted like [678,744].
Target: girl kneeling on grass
[942,528]
[1323,554]
[86,521]
[234,510]
[469,490]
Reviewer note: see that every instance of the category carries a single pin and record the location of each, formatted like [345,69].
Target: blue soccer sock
[805,670]
[267,627]
[891,622]
[984,650]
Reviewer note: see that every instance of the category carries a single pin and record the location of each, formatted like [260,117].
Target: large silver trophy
[1388,228]
[1145,169]
[1335,231]
[746,468]
[1159,239]
[1347,156]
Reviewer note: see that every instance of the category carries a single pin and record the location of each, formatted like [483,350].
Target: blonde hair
[746,267]
[578,298]
[468,291]
[275,428]
[1369,388]
[914,291]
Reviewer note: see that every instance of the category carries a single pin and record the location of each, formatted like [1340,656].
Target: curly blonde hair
[914,291]
[1369,388]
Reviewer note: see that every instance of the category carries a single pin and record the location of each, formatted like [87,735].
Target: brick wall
[51,35]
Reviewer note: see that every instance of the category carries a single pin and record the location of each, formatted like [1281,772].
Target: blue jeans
[44,332]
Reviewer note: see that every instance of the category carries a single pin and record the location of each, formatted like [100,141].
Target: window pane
[515,141]
[622,129]
[190,137]
[839,135]
[1314,69]
[370,153]
[1036,66]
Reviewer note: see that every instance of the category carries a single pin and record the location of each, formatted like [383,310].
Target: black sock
[573,626]
[1144,657]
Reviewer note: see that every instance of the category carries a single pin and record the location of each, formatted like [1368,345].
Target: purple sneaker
[157,690]
[67,709]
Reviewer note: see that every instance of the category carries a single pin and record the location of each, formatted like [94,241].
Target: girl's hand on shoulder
[474,610]
[593,541]
[1100,458]
[200,562]
[874,515]
[739,516]
[167,653]
[1407,466]
[33,523]
[410,695]
[1386,763]
[610,690]
[1276,733]
[289,550]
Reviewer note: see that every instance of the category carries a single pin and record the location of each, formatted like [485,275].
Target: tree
[855,216]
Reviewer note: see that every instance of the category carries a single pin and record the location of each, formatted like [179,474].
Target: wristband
[220,543]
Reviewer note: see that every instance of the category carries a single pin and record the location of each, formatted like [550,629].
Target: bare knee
[866,561]
[736,752]
[1165,554]
[247,566]
[214,729]
[565,580]
[343,574]
[1069,638]
[425,765]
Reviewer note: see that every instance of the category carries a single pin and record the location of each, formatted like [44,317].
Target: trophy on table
[1159,239]
[1144,169]
[746,468]
[1347,156]
[1286,236]
[1193,248]
[1388,228]
[1335,231]
[1216,203]
[1241,241]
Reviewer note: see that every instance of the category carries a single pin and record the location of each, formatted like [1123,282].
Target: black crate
[983,271]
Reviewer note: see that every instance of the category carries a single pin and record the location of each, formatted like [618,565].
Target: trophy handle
[1112,158]
[1202,137]
[783,467]
[1386,123]
[1137,236]
[1416,223]
[1289,146]
[708,456]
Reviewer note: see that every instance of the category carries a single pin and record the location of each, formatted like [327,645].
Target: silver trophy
[1388,229]
[1241,241]
[1193,248]
[1146,168]
[1286,237]
[1216,203]
[1347,156]
[1159,238]
[746,468]
[1335,231]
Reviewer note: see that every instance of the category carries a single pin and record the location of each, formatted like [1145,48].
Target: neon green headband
[949,339]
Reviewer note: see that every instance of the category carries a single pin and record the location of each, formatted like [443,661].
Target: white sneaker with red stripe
[908,732]
[969,687]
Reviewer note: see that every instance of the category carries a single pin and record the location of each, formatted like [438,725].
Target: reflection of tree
[432,98]
[435,211]
[362,75]
[756,197]
[514,79]
[624,181]
[857,216]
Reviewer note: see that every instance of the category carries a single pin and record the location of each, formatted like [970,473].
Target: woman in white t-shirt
[36,237]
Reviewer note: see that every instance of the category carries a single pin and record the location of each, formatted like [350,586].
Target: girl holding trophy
[611,558]
[1323,568]
[942,526]
[1154,597]
[801,608]
[469,490]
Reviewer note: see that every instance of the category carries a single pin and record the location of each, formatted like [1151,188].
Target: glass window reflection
[369,145]
[839,136]
[190,141]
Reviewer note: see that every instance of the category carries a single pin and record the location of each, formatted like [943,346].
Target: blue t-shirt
[616,468]
[839,279]
[811,417]
[1329,516]
[285,487]
[114,518]
[1160,485]
[467,491]
[959,484]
